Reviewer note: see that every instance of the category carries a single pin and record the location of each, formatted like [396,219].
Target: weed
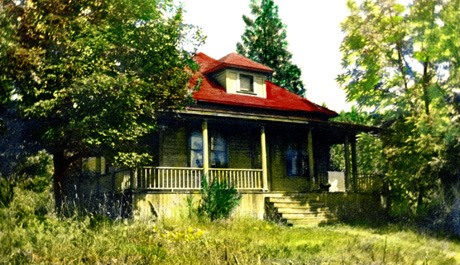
[217,199]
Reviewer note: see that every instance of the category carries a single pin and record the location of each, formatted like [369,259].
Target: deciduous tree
[92,74]
[401,63]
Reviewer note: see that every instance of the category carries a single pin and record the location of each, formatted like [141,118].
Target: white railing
[242,179]
[186,178]
[169,178]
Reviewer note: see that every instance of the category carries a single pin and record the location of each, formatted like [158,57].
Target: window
[246,83]
[292,161]
[218,151]
[218,154]
[94,164]
[196,149]
[296,161]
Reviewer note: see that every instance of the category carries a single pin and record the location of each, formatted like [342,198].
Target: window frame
[216,137]
[196,152]
[300,156]
[251,82]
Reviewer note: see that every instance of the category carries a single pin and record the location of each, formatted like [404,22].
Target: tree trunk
[425,82]
[61,169]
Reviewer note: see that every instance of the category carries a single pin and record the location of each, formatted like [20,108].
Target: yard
[31,233]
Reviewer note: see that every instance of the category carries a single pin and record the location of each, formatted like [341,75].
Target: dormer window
[242,82]
[246,83]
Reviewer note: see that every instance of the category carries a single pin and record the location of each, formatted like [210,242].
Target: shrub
[218,199]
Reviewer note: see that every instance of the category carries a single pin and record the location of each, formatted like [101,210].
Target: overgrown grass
[31,233]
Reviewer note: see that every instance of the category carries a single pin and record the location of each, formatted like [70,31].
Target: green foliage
[264,41]
[217,199]
[370,159]
[93,74]
[402,65]
[31,236]
[33,174]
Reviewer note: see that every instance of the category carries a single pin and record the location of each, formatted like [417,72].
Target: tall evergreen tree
[264,41]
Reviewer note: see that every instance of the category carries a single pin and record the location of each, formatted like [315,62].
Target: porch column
[354,164]
[133,178]
[263,147]
[347,162]
[311,159]
[205,148]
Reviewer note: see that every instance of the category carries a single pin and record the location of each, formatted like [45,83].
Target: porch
[187,179]
[165,191]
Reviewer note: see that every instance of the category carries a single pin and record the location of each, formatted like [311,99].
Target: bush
[217,200]
[34,174]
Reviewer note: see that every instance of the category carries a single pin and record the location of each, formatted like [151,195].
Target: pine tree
[264,41]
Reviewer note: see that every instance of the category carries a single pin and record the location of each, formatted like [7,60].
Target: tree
[401,63]
[264,41]
[92,74]
[369,146]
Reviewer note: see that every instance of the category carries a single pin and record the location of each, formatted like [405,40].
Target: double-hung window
[196,149]
[246,83]
[219,157]
[218,154]
[293,161]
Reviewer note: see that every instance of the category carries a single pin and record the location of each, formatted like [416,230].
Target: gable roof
[278,98]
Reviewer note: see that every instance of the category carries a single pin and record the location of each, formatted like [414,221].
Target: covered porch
[250,156]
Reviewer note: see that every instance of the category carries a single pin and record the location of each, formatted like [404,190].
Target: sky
[313,35]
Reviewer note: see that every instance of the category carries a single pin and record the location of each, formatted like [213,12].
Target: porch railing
[168,178]
[242,179]
[369,183]
[186,178]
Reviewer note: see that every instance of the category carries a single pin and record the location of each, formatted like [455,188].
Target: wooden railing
[369,183]
[186,178]
[169,178]
[242,179]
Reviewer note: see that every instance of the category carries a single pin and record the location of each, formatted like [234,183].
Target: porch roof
[339,128]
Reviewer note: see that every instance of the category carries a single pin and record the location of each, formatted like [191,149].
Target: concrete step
[311,223]
[303,210]
[292,199]
[290,216]
[299,205]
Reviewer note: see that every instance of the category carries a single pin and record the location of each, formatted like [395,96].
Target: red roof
[277,98]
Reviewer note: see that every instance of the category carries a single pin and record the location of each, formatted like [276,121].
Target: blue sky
[313,32]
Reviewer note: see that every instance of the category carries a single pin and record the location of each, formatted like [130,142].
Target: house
[270,144]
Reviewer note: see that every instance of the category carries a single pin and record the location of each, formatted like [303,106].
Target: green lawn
[33,235]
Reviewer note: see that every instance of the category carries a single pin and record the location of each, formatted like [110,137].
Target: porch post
[354,165]
[347,162]
[133,178]
[263,147]
[311,159]
[205,149]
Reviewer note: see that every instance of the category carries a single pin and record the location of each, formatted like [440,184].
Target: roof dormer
[237,81]
[240,75]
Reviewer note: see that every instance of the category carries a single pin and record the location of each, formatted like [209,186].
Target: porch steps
[299,210]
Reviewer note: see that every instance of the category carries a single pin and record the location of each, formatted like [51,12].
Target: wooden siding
[174,147]
[243,150]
